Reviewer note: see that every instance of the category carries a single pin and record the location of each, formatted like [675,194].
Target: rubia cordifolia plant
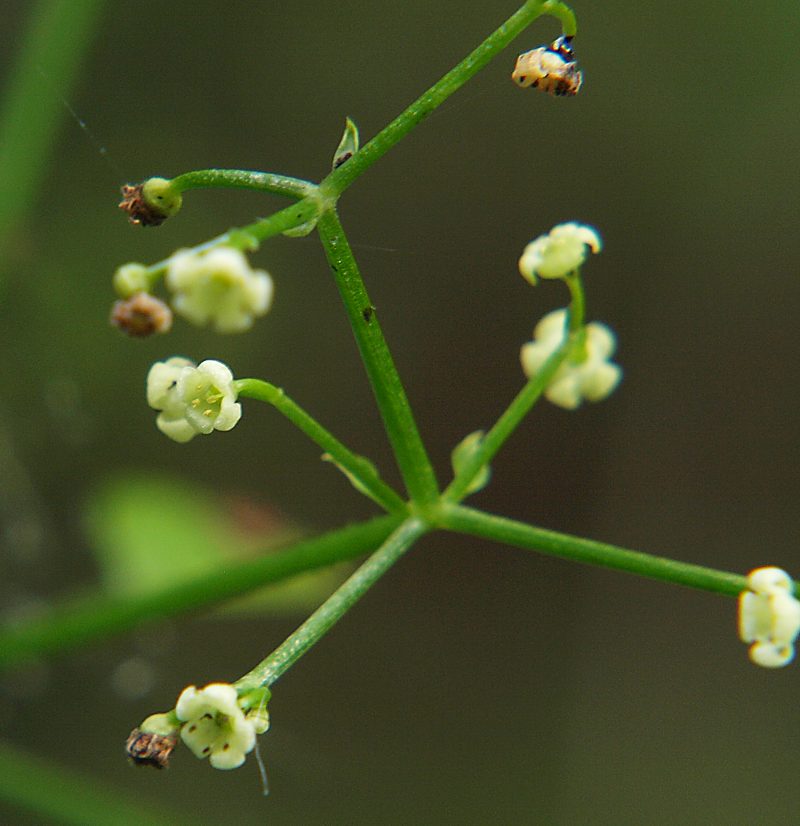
[568,361]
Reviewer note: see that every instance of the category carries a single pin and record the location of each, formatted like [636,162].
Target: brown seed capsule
[141,315]
[150,749]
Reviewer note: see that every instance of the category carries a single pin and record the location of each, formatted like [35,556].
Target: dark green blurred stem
[357,466]
[412,458]
[334,608]
[342,177]
[243,179]
[80,624]
[50,52]
[56,795]
[477,523]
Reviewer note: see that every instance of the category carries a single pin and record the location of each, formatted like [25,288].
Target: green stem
[491,443]
[356,466]
[243,179]
[79,624]
[477,523]
[249,238]
[577,305]
[341,178]
[412,458]
[334,608]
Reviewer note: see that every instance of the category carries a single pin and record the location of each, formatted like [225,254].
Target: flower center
[206,398]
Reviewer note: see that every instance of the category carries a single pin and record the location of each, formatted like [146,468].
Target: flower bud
[559,253]
[130,279]
[141,315]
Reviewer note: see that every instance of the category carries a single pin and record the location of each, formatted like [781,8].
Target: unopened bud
[141,315]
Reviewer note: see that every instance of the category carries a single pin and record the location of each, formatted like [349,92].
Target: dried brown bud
[141,315]
[151,202]
[139,212]
[150,749]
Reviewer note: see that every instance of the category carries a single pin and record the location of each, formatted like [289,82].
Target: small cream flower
[215,725]
[558,253]
[769,617]
[192,399]
[218,287]
[594,378]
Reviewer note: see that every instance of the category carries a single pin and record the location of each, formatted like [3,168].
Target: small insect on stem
[553,69]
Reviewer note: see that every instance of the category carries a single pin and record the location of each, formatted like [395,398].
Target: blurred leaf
[64,796]
[149,533]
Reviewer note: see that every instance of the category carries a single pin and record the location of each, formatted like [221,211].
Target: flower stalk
[342,177]
[334,608]
[462,519]
[360,469]
[243,179]
[409,450]
[508,422]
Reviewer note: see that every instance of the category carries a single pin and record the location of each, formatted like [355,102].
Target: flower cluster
[213,721]
[218,287]
[769,617]
[559,253]
[192,398]
[589,375]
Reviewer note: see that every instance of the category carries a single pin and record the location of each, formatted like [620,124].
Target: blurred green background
[476,684]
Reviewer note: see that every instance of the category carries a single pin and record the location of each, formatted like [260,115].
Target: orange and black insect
[553,69]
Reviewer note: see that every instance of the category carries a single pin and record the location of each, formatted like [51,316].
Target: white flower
[192,399]
[558,253]
[215,725]
[218,287]
[594,378]
[769,617]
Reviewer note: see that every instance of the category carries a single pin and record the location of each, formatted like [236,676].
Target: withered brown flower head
[139,211]
[141,315]
[150,749]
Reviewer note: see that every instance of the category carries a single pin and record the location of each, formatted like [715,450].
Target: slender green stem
[342,177]
[360,469]
[577,305]
[398,419]
[477,523]
[81,623]
[249,238]
[243,179]
[49,55]
[506,424]
[334,608]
